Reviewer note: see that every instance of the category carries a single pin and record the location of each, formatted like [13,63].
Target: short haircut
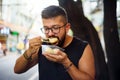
[54,11]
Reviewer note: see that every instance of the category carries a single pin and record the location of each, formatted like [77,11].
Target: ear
[67,27]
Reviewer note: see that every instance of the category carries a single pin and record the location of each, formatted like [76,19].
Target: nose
[50,33]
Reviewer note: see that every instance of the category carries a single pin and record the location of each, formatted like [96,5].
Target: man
[76,62]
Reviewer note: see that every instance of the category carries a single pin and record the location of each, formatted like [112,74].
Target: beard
[62,40]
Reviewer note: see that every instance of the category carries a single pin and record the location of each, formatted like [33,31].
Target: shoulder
[80,41]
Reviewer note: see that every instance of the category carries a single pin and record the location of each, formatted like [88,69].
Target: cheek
[46,35]
[62,35]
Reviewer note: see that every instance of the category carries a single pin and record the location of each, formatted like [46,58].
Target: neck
[68,40]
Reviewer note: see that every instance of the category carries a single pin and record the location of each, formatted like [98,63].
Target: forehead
[53,21]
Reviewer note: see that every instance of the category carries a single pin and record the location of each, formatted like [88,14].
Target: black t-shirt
[49,70]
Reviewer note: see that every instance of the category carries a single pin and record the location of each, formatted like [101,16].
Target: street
[7,69]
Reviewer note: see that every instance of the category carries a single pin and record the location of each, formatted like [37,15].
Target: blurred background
[20,21]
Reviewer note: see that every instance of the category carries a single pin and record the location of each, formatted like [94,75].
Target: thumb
[56,51]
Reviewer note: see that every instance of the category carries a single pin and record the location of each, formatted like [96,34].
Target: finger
[37,39]
[56,51]
[34,41]
[34,47]
[35,44]
[54,56]
[59,52]
[50,58]
[33,50]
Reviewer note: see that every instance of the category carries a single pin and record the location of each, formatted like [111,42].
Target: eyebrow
[51,26]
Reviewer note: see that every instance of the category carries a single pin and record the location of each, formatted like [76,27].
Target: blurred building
[21,20]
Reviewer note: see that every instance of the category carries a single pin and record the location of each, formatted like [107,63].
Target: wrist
[27,56]
[67,63]
[68,67]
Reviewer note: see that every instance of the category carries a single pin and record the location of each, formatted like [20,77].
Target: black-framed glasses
[55,29]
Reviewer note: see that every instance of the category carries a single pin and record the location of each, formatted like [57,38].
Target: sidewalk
[8,54]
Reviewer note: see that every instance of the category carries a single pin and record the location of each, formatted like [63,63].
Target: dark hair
[54,11]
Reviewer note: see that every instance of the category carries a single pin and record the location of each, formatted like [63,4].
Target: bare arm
[22,64]
[86,68]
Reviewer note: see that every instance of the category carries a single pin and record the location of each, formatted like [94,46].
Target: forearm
[75,73]
[22,64]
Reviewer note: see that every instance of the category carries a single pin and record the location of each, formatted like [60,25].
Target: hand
[58,56]
[34,45]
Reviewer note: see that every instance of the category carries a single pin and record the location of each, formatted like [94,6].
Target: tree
[111,38]
[84,29]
